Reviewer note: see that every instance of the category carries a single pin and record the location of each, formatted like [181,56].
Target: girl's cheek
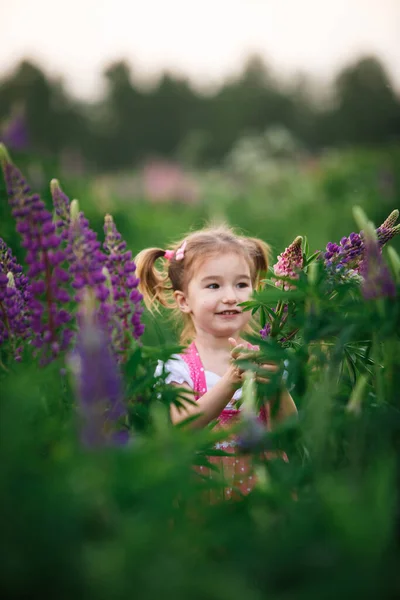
[247,316]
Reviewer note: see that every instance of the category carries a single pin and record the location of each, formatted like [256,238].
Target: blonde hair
[157,285]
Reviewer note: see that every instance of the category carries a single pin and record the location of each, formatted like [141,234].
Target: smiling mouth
[229,312]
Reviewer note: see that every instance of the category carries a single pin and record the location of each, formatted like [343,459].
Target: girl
[204,278]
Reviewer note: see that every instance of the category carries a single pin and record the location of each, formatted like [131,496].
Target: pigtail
[260,253]
[152,281]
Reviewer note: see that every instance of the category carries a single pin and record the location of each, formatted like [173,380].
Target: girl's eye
[213,286]
[243,284]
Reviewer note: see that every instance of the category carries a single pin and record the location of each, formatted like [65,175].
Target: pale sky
[205,39]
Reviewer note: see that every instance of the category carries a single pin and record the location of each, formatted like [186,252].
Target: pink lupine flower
[165,181]
[289,263]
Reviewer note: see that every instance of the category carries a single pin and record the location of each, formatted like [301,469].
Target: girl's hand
[241,351]
[235,373]
[271,367]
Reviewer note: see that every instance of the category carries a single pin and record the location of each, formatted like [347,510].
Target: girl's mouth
[229,312]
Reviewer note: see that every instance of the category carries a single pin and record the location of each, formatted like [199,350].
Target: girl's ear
[181,301]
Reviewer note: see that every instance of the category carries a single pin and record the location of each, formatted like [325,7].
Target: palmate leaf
[130,367]
[272,295]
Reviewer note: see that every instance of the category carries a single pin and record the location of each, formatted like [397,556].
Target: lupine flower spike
[45,257]
[86,258]
[127,299]
[15,297]
[388,229]
[289,263]
[97,381]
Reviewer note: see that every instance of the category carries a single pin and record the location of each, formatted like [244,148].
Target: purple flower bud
[390,221]
[61,205]
[265,332]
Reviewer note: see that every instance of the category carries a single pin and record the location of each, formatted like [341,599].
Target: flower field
[99,494]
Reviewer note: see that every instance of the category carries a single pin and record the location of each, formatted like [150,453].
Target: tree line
[171,119]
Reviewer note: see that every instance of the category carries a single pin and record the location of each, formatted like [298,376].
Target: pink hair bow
[180,253]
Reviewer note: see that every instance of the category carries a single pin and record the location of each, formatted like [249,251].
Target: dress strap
[198,376]
[196,369]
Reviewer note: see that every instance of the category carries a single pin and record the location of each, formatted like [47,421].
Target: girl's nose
[229,297]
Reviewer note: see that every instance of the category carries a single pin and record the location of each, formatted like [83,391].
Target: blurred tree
[367,109]
[142,123]
[250,103]
[52,119]
[123,125]
[130,124]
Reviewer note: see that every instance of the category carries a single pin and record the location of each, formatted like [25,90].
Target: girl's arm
[210,405]
[286,409]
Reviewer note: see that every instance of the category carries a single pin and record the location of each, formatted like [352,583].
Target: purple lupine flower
[377,281]
[289,263]
[98,382]
[347,256]
[15,296]
[127,299]
[265,331]
[348,253]
[273,327]
[49,319]
[86,258]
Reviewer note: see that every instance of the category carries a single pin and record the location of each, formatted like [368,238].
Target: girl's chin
[229,330]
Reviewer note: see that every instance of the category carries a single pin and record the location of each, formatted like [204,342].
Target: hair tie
[179,254]
[169,254]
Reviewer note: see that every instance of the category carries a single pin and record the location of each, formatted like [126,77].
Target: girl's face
[218,285]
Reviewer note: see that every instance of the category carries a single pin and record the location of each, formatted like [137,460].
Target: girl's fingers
[237,351]
[263,380]
[272,368]
[269,367]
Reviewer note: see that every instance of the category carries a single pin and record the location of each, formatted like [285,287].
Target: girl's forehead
[228,262]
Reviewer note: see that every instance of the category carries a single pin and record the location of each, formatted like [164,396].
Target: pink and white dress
[235,470]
